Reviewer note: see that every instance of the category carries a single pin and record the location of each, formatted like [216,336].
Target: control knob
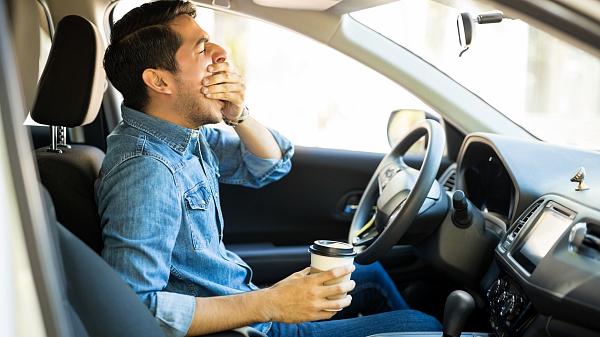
[496,289]
[500,304]
[511,307]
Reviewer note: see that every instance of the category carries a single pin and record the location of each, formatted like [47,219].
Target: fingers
[302,272]
[219,67]
[227,87]
[234,97]
[334,273]
[224,84]
[337,305]
[305,297]
[339,288]
[328,308]
[222,77]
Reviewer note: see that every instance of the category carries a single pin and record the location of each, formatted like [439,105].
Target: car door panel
[271,227]
[306,205]
[272,263]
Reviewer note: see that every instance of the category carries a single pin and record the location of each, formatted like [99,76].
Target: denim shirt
[162,224]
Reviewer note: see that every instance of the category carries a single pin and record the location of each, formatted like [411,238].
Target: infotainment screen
[548,228]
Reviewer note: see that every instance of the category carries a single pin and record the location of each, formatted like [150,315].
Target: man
[158,193]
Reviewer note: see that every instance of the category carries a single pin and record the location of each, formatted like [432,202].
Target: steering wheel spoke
[364,241]
[368,233]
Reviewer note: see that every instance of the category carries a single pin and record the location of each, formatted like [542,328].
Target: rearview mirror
[465,23]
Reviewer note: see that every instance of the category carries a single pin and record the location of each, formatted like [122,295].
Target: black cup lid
[332,248]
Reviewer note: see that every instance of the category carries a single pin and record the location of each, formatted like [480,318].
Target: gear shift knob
[459,306]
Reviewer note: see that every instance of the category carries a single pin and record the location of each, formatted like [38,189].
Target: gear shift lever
[459,306]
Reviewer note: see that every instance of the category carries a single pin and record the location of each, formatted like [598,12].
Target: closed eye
[200,44]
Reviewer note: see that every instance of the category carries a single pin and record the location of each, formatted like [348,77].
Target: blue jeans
[379,303]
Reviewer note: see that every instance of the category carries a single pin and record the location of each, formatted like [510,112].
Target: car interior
[489,229]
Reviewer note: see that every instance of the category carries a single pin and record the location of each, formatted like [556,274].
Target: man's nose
[217,53]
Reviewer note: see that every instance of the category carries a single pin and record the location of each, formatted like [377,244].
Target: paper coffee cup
[326,255]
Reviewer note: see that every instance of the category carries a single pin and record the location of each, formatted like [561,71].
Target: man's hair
[142,39]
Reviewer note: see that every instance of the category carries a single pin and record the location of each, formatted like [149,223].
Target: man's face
[193,58]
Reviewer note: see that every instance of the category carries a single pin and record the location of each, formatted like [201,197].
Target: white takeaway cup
[326,255]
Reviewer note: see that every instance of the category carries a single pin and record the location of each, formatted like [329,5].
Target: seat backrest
[69,94]
[98,301]
[69,177]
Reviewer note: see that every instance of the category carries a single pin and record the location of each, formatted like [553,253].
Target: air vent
[524,218]
[451,182]
[530,213]
[448,179]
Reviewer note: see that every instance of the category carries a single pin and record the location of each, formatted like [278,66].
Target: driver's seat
[69,94]
[98,302]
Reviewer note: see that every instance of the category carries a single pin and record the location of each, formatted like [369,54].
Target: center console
[525,245]
[510,309]
[533,237]
[533,266]
[545,275]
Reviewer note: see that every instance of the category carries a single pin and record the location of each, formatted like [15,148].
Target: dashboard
[486,181]
[545,272]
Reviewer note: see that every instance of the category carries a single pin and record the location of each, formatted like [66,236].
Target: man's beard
[195,107]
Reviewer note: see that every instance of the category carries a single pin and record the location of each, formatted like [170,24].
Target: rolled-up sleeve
[174,312]
[239,166]
[139,228]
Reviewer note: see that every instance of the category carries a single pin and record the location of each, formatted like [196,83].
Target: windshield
[547,86]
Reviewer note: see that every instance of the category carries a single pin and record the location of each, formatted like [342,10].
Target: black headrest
[71,86]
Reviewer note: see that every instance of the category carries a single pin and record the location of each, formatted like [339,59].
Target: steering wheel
[396,193]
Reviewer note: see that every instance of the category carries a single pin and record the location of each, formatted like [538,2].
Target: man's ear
[157,81]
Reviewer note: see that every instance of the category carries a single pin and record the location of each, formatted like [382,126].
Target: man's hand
[301,297]
[225,85]
[298,298]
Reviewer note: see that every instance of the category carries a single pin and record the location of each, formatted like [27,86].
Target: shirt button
[194,133]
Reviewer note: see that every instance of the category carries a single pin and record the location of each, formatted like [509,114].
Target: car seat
[69,94]
[98,302]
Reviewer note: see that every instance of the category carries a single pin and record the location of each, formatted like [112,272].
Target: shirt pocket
[199,216]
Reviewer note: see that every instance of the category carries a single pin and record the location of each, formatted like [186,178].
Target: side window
[313,94]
